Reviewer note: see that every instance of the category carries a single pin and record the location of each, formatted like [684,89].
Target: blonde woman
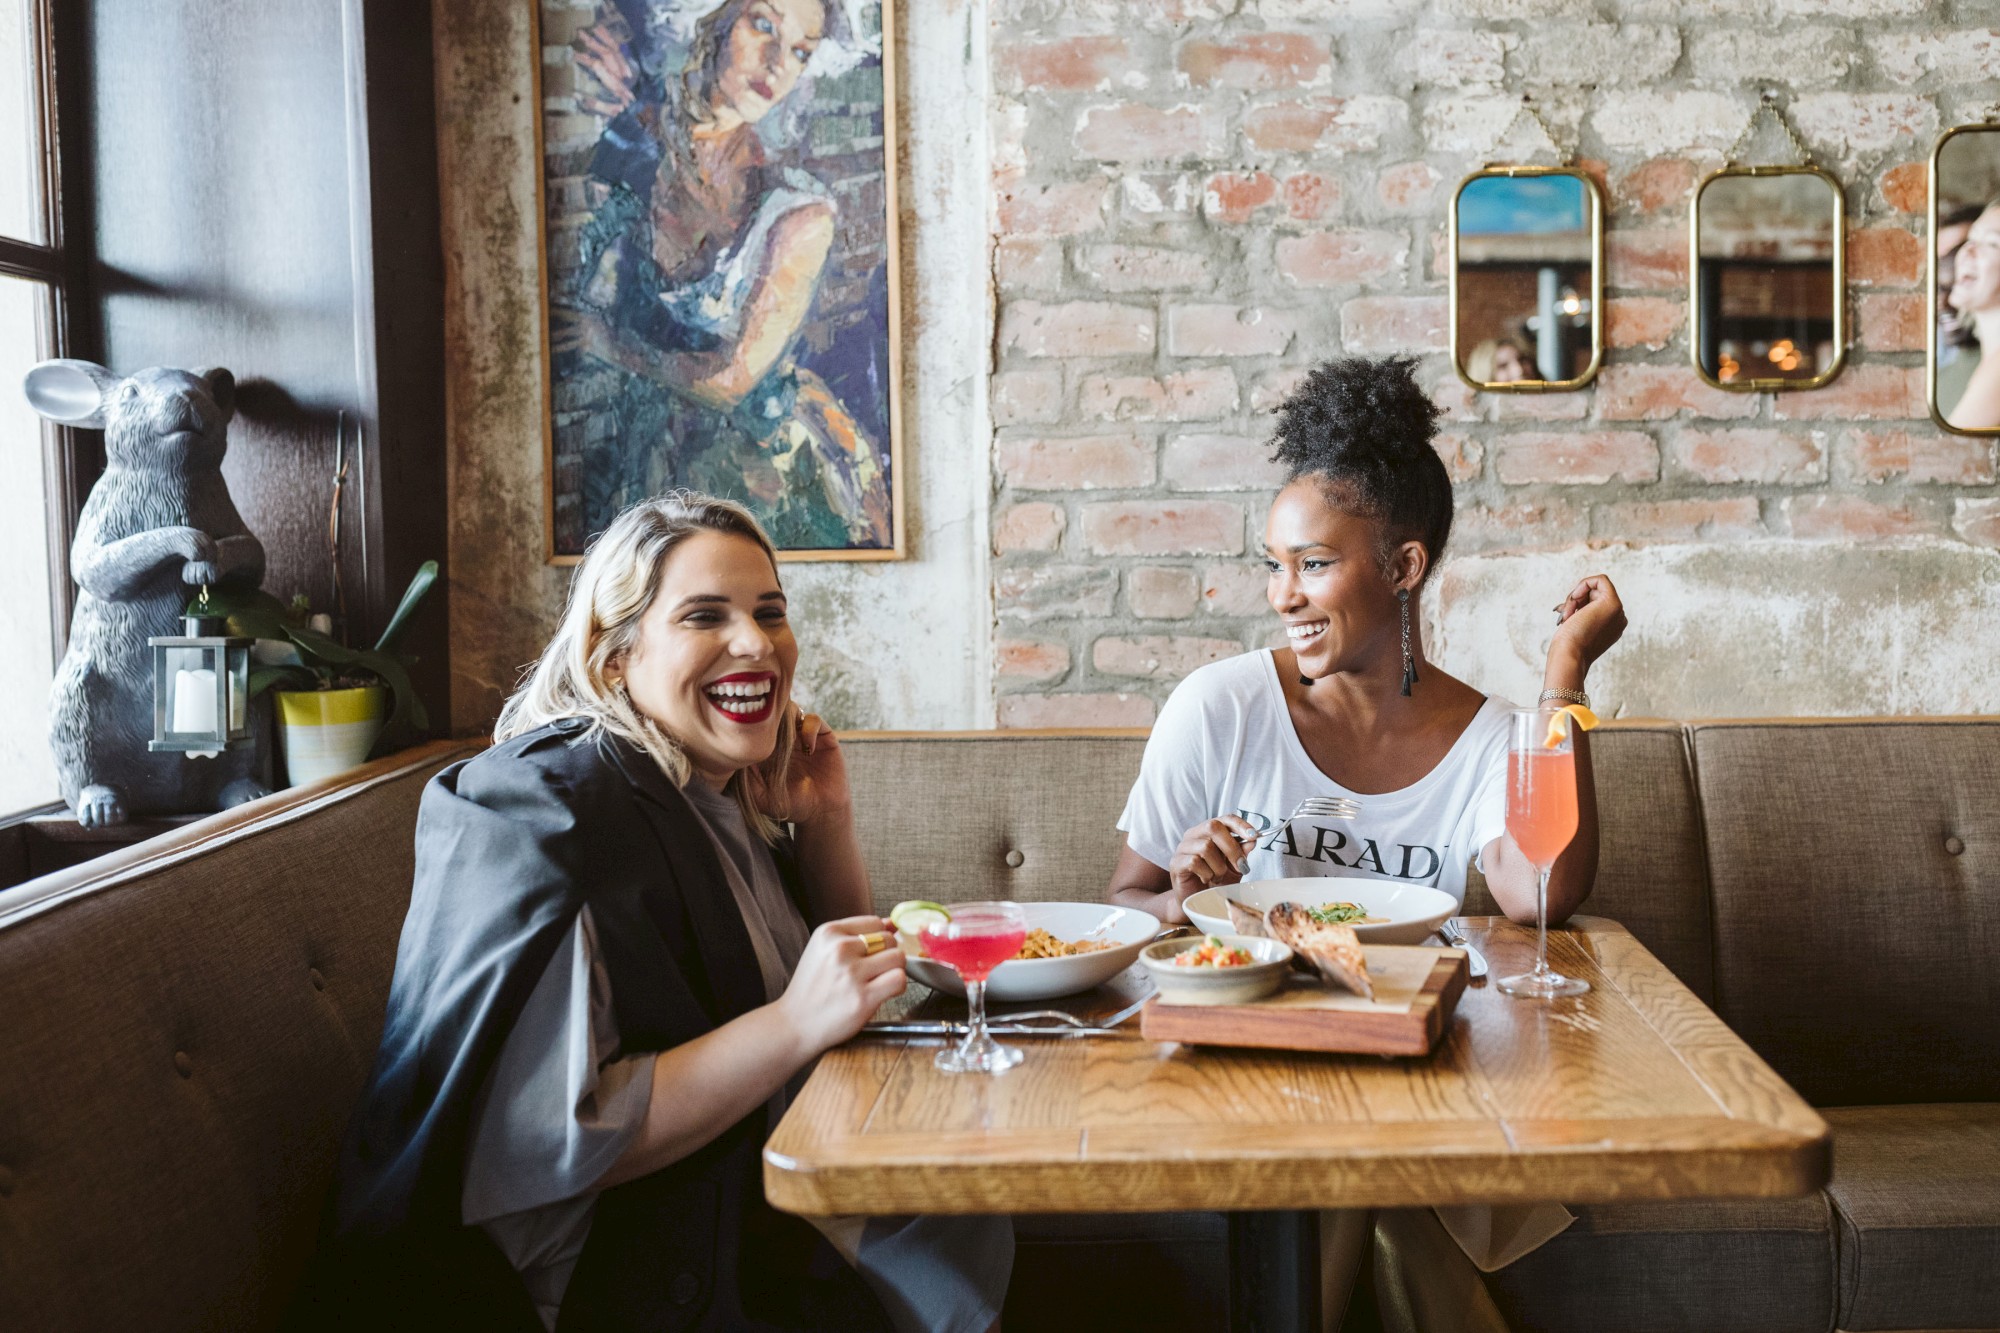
[607,987]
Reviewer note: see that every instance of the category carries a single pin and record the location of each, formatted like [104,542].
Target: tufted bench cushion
[205,1008]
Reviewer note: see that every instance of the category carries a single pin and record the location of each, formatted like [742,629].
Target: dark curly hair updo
[1363,428]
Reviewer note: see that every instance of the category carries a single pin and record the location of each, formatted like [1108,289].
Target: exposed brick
[1647,259]
[1656,122]
[1479,122]
[1540,406]
[1407,187]
[1134,132]
[1655,184]
[1521,527]
[1455,399]
[1028,263]
[1033,660]
[1200,394]
[1063,208]
[1892,322]
[1028,712]
[1220,463]
[1844,518]
[1457,57]
[1029,527]
[1393,324]
[1027,397]
[1977,521]
[1730,58]
[1463,456]
[1643,321]
[1258,62]
[1858,393]
[1241,588]
[1311,197]
[1587,458]
[1654,393]
[1907,188]
[1237,196]
[1969,55]
[1161,593]
[1076,328]
[1144,268]
[1079,462]
[1152,196]
[1884,256]
[1842,124]
[1606,54]
[1336,258]
[1754,454]
[1170,527]
[1679,520]
[1922,455]
[1323,124]
[1273,387]
[1071,65]
[1229,330]
[1032,592]
[1158,656]
[1519,9]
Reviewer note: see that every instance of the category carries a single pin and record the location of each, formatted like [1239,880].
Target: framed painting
[720,264]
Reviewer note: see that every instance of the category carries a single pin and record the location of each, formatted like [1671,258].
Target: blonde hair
[613,587]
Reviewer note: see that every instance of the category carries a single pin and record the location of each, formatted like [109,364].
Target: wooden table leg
[1274,1272]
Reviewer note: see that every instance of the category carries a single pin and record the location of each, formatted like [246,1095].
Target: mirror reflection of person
[1957,350]
[1497,361]
[1975,296]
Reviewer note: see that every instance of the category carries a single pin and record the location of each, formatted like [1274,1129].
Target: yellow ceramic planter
[329,731]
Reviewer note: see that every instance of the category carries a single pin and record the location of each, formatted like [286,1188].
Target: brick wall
[1197,199]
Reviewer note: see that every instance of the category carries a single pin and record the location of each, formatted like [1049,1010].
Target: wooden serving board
[1416,989]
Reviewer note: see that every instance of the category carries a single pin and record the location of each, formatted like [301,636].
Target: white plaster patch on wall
[906,644]
[1752,629]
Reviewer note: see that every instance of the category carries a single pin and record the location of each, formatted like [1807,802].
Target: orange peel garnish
[1559,721]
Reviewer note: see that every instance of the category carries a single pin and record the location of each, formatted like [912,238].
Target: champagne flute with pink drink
[1541,817]
[975,939]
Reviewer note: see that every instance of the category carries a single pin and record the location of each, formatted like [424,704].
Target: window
[31,311]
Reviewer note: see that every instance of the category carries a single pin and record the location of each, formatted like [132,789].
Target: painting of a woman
[680,306]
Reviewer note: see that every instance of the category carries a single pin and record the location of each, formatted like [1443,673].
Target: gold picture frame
[1698,328]
[1594,198]
[1932,278]
[894,367]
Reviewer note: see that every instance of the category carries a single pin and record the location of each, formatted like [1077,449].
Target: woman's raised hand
[1211,853]
[838,985]
[599,54]
[816,781]
[1592,620]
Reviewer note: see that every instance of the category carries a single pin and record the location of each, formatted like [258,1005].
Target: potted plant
[336,705]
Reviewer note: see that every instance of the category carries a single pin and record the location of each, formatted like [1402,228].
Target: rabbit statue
[159,526]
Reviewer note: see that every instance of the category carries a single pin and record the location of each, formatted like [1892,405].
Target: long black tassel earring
[1409,662]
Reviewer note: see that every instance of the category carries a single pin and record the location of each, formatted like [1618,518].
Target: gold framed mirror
[1961,378]
[1526,273]
[1767,270]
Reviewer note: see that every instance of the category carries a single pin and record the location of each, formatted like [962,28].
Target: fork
[1034,1023]
[1314,807]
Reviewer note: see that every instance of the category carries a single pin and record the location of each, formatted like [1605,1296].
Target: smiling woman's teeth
[1300,633]
[740,697]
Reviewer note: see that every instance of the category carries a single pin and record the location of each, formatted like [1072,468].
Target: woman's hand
[838,984]
[1592,620]
[599,54]
[1211,853]
[816,781]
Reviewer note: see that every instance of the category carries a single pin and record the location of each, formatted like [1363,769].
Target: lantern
[201,690]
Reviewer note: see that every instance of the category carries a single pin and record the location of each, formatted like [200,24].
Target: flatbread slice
[1334,951]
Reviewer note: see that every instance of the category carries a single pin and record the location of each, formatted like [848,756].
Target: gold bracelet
[1567,696]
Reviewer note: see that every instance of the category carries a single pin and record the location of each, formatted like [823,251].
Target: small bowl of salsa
[1216,969]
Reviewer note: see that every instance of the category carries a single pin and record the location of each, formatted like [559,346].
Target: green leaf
[282,678]
[413,596]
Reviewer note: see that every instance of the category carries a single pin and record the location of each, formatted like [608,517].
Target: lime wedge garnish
[917,916]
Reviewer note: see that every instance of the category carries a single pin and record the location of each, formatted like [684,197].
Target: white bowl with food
[1216,969]
[1388,912]
[1097,942]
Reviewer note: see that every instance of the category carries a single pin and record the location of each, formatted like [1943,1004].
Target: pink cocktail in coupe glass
[978,938]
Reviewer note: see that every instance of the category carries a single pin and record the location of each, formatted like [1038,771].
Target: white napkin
[1494,1236]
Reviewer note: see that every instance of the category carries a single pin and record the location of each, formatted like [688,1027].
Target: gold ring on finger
[875,941]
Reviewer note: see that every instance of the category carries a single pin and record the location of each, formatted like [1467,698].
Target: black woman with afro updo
[1352,706]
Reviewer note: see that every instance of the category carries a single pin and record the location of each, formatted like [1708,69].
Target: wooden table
[1635,1090]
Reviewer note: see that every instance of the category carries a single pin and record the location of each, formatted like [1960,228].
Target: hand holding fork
[1215,852]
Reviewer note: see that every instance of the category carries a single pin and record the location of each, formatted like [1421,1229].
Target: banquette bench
[188,1024]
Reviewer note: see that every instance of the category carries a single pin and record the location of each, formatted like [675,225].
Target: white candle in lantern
[194,701]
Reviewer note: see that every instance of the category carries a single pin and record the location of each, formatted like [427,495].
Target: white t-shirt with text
[1224,744]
